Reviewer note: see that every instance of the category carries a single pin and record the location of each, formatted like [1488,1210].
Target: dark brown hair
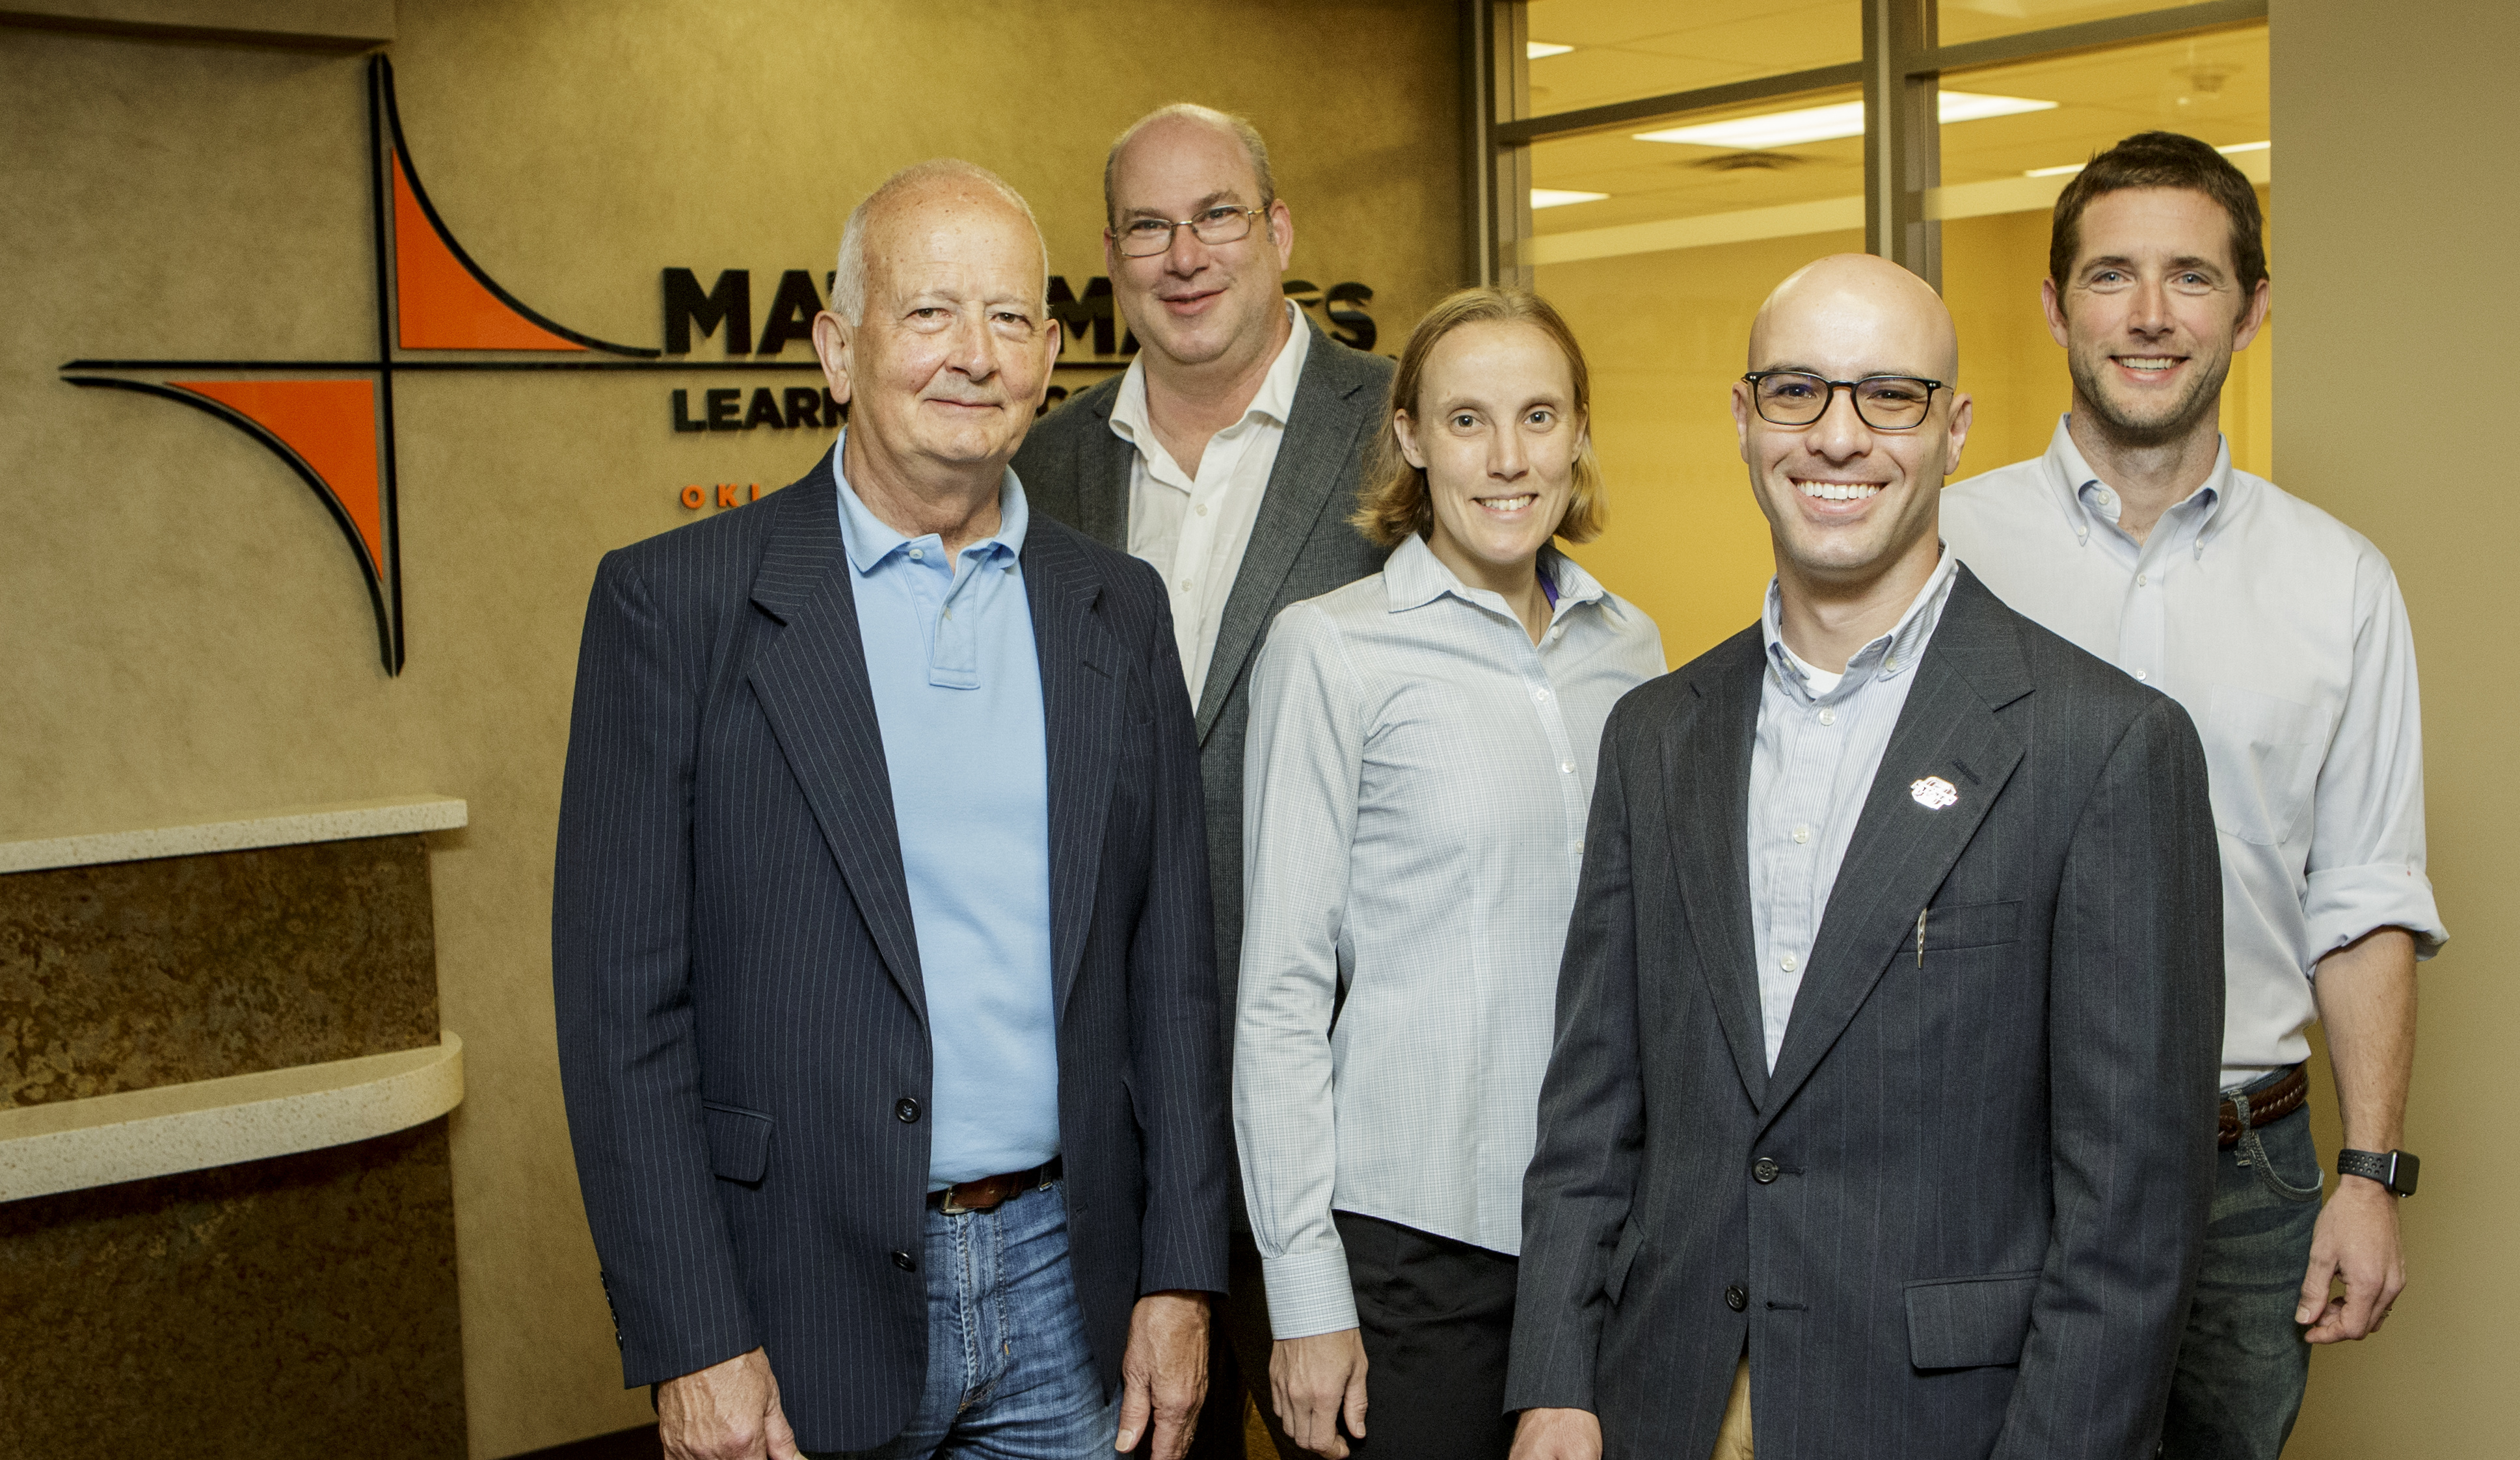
[1395,501]
[2163,159]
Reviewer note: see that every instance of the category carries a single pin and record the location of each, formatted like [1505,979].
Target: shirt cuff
[2342,904]
[1309,1292]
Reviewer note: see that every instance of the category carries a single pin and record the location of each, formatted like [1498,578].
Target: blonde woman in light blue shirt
[1416,788]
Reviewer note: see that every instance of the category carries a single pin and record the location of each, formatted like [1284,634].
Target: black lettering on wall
[683,414]
[835,414]
[1076,317]
[764,411]
[728,302]
[1355,327]
[805,406]
[792,313]
[723,408]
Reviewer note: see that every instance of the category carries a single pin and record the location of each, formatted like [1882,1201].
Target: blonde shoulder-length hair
[1395,503]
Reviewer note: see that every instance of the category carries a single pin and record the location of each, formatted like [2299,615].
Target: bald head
[1867,314]
[1174,121]
[945,191]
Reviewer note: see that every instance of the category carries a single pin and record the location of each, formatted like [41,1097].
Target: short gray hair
[1243,132]
[850,273]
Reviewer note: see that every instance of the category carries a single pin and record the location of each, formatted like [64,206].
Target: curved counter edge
[71,1145]
[346,822]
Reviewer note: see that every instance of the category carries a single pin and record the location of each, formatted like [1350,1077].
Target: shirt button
[1202,508]
[1540,694]
[1568,767]
[1736,1297]
[1765,1170]
[905,1261]
[918,555]
[2140,580]
[1802,834]
[1184,585]
[906,1111]
[1787,963]
[1828,715]
[2139,674]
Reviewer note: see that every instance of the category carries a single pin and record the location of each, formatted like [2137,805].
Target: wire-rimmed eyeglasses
[1145,238]
[1885,402]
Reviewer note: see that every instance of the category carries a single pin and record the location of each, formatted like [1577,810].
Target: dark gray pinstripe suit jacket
[1301,547]
[737,983]
[1992,1170]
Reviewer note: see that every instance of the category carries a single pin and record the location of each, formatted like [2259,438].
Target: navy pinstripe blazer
[1962,1216]
[737,985]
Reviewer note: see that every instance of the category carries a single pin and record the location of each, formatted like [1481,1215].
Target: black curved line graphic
[296,464]
[429,211]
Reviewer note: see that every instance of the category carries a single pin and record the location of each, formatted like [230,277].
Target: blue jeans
[1009,1373]
[2243,1362]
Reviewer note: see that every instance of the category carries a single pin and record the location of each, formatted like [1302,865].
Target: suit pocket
[739,1142]
[1972,926]
[1969,1322]
[1623,1258]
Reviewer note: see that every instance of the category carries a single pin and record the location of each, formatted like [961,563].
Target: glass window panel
[1981,20]
[1996,217]
[1621,50]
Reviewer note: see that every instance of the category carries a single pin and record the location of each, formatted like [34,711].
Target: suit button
[1736,1297]
[908,1263]
[906,1110]
[1764,1170]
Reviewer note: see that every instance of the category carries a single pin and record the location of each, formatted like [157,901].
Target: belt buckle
[949,1206]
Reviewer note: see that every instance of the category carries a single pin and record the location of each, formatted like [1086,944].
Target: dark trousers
[1435,1315]
[2243,1362]
[1237,1362]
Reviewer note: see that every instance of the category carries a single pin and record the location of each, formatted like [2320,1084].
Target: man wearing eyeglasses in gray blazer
[1228,456]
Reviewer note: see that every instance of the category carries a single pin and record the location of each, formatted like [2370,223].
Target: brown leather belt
[2268,1105]
[989,1193]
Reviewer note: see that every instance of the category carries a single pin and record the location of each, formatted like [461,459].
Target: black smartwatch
[2395,1169]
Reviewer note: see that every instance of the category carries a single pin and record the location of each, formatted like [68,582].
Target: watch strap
[2393,1170]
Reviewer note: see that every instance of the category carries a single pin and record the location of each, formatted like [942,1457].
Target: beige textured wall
[182,634]
[2399,130]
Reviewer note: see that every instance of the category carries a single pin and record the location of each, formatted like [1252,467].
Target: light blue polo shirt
[957,680]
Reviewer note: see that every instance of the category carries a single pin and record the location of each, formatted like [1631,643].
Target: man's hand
[1163,1373]
[727,1411]
[1313,1382]
[2355,1241]
[1557,1434]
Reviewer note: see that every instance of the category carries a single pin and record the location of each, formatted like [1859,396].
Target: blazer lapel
[1902,848]
[812,684]
[1103,478]
[1316,458]
[1081,700]
[1706,789]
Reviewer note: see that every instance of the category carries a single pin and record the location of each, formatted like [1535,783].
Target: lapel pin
[1933,793]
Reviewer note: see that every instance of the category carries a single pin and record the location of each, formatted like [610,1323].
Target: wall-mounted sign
[332,421]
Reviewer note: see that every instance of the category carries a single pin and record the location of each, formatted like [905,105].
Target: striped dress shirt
[1415,792]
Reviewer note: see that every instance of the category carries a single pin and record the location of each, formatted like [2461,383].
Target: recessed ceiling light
[1830,123]
[2068,170]
[1534,50]
[1558,197]
[2244,146]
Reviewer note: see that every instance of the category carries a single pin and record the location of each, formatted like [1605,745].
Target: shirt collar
[869,540]
[2086,500]
[1275,400]
[1885,659]
[1415,577]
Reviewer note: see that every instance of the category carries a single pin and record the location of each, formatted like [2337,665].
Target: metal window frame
[1900,73]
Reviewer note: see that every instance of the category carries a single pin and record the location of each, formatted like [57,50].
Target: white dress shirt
[2281,631]
[1820,741]
[1194,529]
[1416,786]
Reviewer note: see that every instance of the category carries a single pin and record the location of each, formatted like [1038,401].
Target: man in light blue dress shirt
[2282,631]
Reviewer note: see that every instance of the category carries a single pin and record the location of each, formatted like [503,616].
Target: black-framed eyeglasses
[1145,238]
[1885,402]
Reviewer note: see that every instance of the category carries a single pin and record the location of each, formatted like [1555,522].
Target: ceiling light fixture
[1558,197]
[1534,50]
[2071,168]
[1830,123]
[2244,146]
